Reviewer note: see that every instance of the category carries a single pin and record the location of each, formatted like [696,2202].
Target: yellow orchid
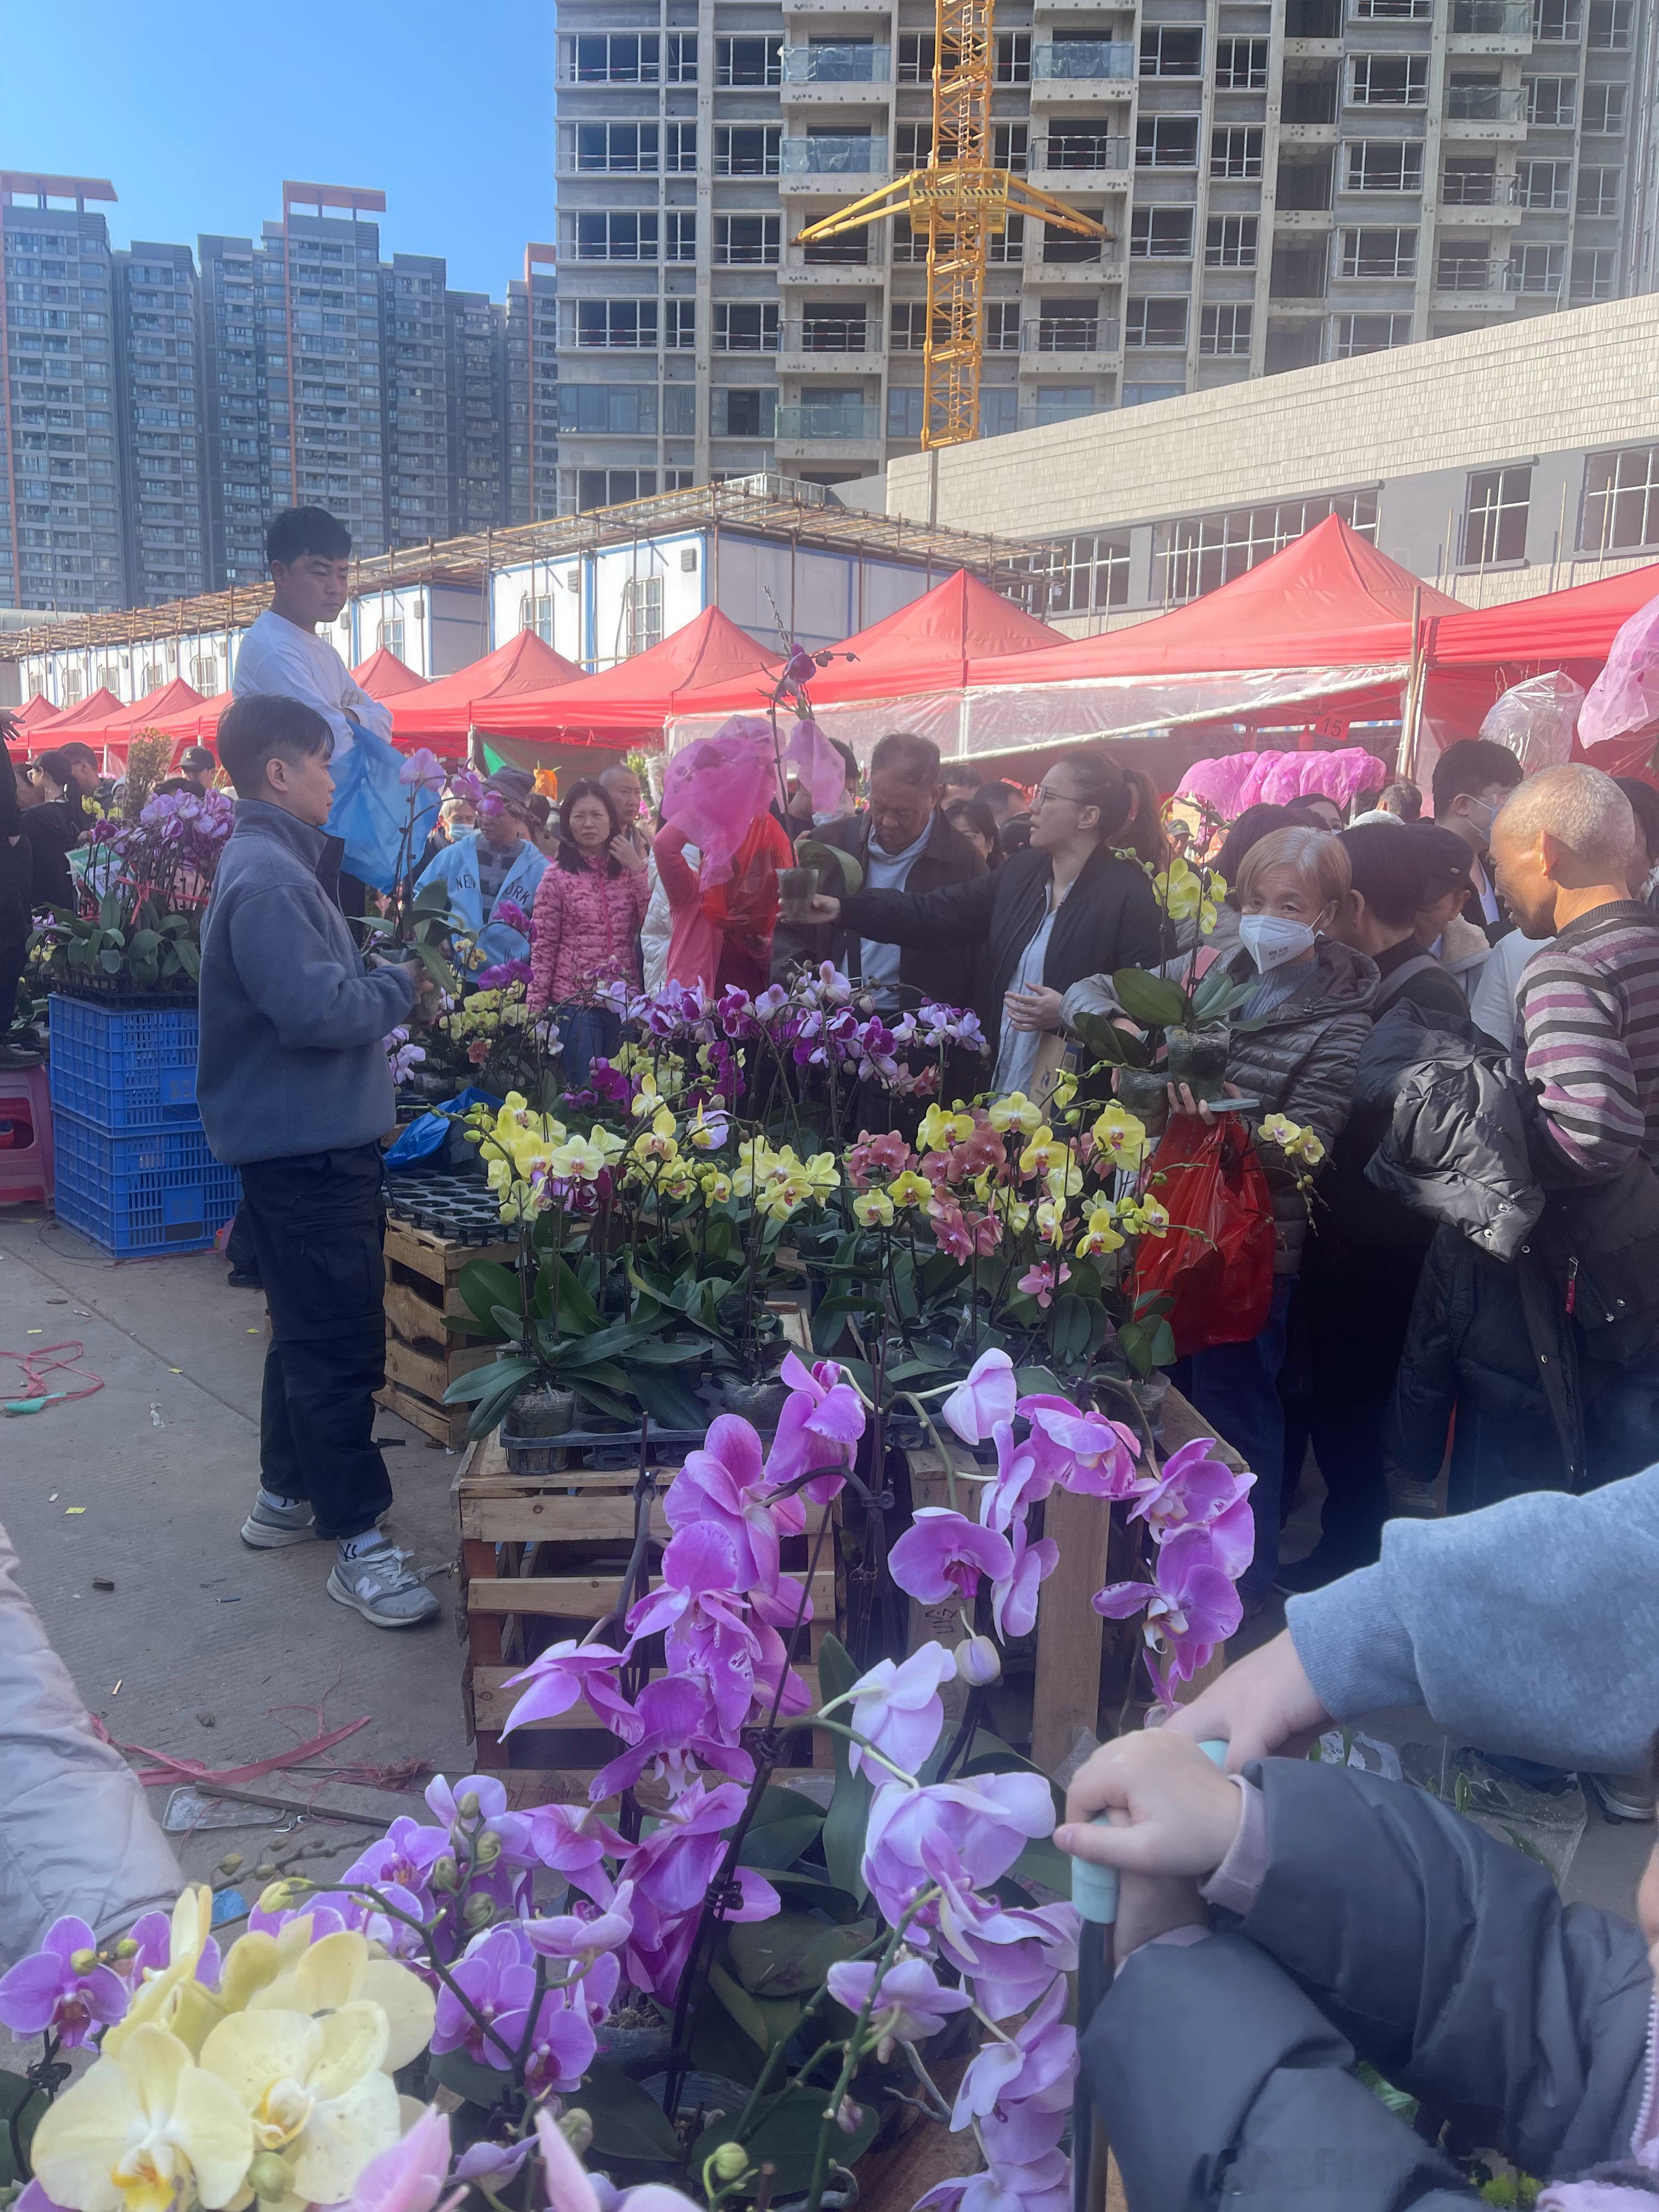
[1099,1234]
[145,2130]
[653,1145]
[1144,1218]
[581,1159]
[173,1997]
[1063,1092]
[873,1209]
[1040,1153]
[1050,1221]
[1179,890]
[910,1189]
[1006,1202]
[1016,1111]
[822,1175]
[287,1972]
[716,1184]
[1064,1179]
[647,1099]
[316,2091]
[1296,1142]
[1120,1135]
[939,1130]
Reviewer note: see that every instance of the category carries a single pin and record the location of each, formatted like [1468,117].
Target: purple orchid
[1082,1452]
[153,1932]
[1012,1955]
[1191,1605]
[561,1675]
[1195,1489]
[911,2004]
[822,1419]
[944,1553]
[674,1724]
[62,1989]
[573,1841]
[671,1871]
[960,1835]
[1021,1479]
[410,2176]
[405,1856]
[983,1398]
[899,1707]
[1043,2187]
[695,1608]
[421,771]
[726,1483]
[498,1975]
[1040,2053]
[1014,1596]
[584,1935]
[493,2163]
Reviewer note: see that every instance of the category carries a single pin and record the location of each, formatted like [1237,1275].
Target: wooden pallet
[542,1557]
[423,1357]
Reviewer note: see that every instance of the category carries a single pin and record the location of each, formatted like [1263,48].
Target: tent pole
[1413,703]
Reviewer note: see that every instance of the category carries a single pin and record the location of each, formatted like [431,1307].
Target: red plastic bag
[1217,1263]
[746,905]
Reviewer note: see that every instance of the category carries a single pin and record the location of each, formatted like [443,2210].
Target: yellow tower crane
[965,202]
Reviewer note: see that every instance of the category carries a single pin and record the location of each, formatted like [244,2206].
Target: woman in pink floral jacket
[586,927]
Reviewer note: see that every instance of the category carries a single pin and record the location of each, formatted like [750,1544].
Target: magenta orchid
[822,1421]
[1082,1452]
[961,1834]
[564,1674]
[1040,2053]
[64,1989]
[1014,1596]
[985,1396]
[899,1709]
[727,1483]
[944,1553]
[1195,1489]
[1021,1479]
[1191,1605]
[412,2175]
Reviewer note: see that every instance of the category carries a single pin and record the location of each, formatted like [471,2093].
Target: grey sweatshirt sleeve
[296,977]
[1530,1627]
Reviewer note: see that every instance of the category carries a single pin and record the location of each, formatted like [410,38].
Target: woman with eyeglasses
[1063,907]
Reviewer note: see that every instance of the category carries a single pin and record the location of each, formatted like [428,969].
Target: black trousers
[317,1224]
[1358,1310]
[14,956]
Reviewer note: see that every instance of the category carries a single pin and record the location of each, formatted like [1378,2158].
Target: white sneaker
[376,1583]
[269,1527]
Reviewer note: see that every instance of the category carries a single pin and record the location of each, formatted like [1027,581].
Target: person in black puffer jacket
[16,902]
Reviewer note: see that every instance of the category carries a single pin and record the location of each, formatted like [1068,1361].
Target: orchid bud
[577,2128]
[126,1949]
[229,1864]
[84,1961]
[283,1895]
[470,1807]
[271,2176]
[849,2117]
[730,2162]
[479,1911]
[979,1664]
[446,1875]
[488,1849]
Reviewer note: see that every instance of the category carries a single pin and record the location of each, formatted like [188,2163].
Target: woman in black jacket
[1063,907]
[56,828]
[16,886]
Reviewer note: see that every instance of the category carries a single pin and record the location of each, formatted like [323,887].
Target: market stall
[444,713]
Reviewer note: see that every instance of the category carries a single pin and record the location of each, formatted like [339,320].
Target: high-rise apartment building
[416,339]
[60,489]
[1281,184]
[533,490]
[158,340]
[475,339]
[240,290]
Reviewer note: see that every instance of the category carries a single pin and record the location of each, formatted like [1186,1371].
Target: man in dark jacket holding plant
[295,1090]
[17,882]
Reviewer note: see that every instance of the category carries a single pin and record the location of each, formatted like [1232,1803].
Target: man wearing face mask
[1471,779]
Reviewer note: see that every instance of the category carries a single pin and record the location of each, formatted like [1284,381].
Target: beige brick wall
[1551,384]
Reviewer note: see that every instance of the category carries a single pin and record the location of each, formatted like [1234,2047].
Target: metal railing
[1490,19]
[1486,103]
[1461,272]
[833,157]
[836,65]
[1058,60]
[1539,281]
[1477,191]
[816,421]
[1077,149]
[1052,334]
[833,334]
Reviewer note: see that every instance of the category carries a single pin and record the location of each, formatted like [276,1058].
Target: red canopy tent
[162,709]
[383,676]
[443,712]
[639,696]
[77,719]
[1578,624]
[35,714]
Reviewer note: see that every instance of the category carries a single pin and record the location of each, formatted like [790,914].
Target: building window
[1537,268]
[1387,254]
[682,58]
[1161,233]
[1388,80]
[1062,403]
[1383,164]
[1610,26]
[743,63]
[1202,552]
[679,325]
[1470,183]
[747,241]
[1224,330]
[613,487]
[746,325]
[1600,191]
[204,674]
[616,238]
[1093,576]
[912,144]
[1621,501]
[744,411]
[904,408]
[389,636]
[614,58]
[1236,152]
[908,244]
[617,323]
[1392,11]
[1001,325]
[1007,245]
[642,613]
[1495,519]
[1551,102]
[747,150]
[1557,22]
[608,410]
[1011,146]
[916,60]
[1013,64]
[617,148]
[681,241]
[1169,50]
[1241,64]
[1595,275]
[680,150]
[1605,110]
[1353,335]
[1231,241]
[1166,141]
[1155,322]
[1544,185]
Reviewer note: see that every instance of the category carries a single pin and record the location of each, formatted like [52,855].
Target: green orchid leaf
[1151,1000]
[487,1287]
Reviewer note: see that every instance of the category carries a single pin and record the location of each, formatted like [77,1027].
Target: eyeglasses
[1042,794]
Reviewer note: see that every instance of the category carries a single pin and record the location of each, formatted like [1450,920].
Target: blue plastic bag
[428,1134]
[371,810]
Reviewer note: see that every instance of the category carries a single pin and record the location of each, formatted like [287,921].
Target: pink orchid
[822,1419]
[561,1675]
[1041,1281]
[674,1724]
[410,2176]
[1082,1452]
[573,1841]
[1020,1480]
[985,1396]
[899,1707]
[695,1607]
[960,1835]
[670,1870]
[884,1155]
[1040,2053]
[1014,1596]
[910,2005]
[726,1483]
[944,1553]
[1193,1489]
[1191,1605]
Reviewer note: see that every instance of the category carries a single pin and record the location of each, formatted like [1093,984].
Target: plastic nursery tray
[460,1208]
[551,1454]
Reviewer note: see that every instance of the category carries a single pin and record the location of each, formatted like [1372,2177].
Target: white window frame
[1224,330]
[1235,151]
[1143,233]
[1619,485]
[1238,246]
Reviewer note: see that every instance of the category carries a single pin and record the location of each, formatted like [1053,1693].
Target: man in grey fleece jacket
[295,1089]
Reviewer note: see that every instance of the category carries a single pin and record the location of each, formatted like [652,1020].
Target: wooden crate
[423,1357]
[552,1549]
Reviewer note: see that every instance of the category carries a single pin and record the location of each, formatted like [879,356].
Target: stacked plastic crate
[133,1168]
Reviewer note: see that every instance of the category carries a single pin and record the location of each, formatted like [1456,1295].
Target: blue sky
[195,112]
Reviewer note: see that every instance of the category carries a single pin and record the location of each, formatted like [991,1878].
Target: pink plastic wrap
[714,788]
[818,765]
[1624,696]
[1237,780]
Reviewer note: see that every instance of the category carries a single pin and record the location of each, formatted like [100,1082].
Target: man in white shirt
[309,553]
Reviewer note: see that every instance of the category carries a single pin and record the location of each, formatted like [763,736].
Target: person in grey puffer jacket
[296,1090]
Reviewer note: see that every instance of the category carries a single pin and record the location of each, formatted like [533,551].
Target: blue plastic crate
[122,1070]
[158,1190]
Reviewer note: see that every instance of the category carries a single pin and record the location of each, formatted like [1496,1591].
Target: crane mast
[963,200]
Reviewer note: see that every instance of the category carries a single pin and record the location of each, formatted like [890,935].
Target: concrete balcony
[1490,26]
[820,8]
[830,276]
[1065,71]
[1471,284]
[835,167]
[835,77]
[1500,209]
[815,430]
[1076,275]
[1308,134]
[825,345]
[1485,115]
[1067,161]
[1088,343]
